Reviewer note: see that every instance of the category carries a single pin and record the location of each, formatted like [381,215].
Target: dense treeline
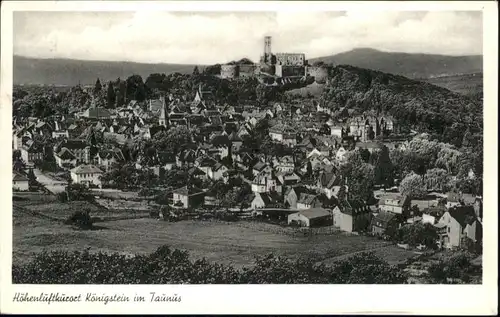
[46,101]
[421,106]
[418,105]
[171,266]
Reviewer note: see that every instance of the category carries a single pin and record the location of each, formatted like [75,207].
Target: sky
[218,37]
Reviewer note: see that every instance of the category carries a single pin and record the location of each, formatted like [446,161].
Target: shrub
[62,197]
[457,266]
[171,266]
[80,219]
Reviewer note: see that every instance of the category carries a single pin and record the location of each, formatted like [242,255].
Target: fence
[120,217]
[28,198]
[36,213]
[286,230]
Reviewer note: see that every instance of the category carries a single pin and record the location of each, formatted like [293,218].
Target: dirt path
[54,186]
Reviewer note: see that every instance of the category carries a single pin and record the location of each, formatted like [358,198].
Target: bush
[81,220]
[457,266]
[470,246]
[78,192]
[62,197]
[171,266]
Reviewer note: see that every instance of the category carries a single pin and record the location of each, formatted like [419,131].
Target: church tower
[163,121]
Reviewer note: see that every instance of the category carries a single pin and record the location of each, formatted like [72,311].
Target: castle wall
[229,71]
[319,73]
[291,59]
[289,71]
[247,70]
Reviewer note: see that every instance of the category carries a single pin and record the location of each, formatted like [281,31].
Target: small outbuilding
[314,217]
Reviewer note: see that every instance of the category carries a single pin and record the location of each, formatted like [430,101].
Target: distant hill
[414,66]
[467,84]
[71,72]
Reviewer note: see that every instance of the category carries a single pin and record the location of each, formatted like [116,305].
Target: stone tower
[267,49]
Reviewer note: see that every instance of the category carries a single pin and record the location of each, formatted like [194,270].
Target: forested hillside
[417,105]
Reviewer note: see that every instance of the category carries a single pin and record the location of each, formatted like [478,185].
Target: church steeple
[164,113]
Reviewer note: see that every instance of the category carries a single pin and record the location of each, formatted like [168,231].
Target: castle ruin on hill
[276,68]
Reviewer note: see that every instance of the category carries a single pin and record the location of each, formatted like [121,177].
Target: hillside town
[309,165]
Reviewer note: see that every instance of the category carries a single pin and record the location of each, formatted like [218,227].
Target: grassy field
[314,89]
[216,241]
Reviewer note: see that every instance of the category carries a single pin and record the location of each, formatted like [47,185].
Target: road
[54,186]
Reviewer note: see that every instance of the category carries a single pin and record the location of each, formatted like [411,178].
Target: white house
[456,223]
[264,200]
[265,183]
[65,158]
[308,201]
[218,171]
[86,174]
[311,217]
[106,158]
[284,135]
[453,200]
[285,164]
[340,156]
[336,131]
[188,197]
[31,152]
[319,151]
[397,204]
[60,134]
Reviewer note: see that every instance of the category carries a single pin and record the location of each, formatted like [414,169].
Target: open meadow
[223,242]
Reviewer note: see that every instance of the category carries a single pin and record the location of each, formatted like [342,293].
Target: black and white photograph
[247,147]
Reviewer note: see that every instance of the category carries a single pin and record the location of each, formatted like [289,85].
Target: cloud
[207,38]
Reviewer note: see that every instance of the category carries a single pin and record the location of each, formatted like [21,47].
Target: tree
[173,140]
[135,89]
[156,84]
[448,158]
[78,192]
[81,219]
[140,93]
[367,268]
[418,233]
[342,194]
[97,87]
[437,179]
[32,182]
[413,186]
[365,155]
[360,177]
[212,70]
[196,71]
[111,96]
[458,266]
[384,170]
[121,92]
[229,199]
[422,153]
